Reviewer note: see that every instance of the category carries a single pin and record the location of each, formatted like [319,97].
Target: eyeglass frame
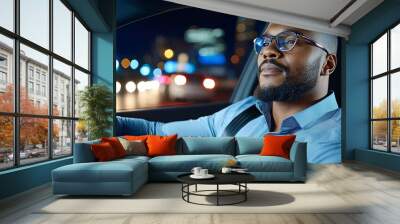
[297,34]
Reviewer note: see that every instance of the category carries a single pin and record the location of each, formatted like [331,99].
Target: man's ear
[329,65]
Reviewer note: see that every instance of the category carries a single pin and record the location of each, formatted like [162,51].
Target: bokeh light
[180,80]
[183,58]
[170,66]
[145,70]
[218,32]
[164,79]
[148,85]
[157,72]
[235,59]
[125,63]
[209,83]
[117,86]
[168,54]
[116,64]
[130,87]
[153,84]
[141,86]
[189,68]
[134,64]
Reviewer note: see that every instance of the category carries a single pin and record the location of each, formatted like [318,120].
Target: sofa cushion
[185,163]
[257,163]
[111,171]
[116,145]
[248,145]
[206,145]
[135,147]
[103,152]
[161,145]
[277,145]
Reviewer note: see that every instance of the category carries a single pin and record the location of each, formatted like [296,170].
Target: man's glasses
[285,41]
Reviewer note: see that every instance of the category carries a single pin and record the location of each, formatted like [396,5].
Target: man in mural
[292,97]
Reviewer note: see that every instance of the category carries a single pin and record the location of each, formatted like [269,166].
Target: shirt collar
[316,111]
[304,117]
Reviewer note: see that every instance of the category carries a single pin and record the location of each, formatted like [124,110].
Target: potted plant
[96,110]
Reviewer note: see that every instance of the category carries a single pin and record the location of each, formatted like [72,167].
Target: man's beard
[294,86]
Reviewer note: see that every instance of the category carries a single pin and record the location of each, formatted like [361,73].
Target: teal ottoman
[118,177]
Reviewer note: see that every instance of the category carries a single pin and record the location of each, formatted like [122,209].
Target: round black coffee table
[238,179]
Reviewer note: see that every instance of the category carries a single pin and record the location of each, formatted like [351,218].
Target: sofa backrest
[197,145]
[206,145]
[248,145]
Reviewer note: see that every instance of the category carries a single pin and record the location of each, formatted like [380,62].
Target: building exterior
[34,79]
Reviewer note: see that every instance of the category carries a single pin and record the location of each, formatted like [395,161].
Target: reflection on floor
[378,189]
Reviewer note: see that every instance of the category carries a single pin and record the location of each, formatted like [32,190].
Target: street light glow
[134,64]
[209,83]
[180,80]
[169,53]
[130,87]
[117,87]
[145,70]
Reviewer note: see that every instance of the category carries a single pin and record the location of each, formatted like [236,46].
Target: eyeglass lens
[284,41]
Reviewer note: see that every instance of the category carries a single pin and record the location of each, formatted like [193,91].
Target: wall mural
[200,59]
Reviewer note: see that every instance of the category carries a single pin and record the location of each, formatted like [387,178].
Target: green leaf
[96,104]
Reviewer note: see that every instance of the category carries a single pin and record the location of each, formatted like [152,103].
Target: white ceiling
[318,15]
[322,9]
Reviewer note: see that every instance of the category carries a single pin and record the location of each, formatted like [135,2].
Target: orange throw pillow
[116,145]
[277,145]
[135,137]
[103,152]
[161,145]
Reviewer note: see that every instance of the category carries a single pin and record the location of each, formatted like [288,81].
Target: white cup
[196,171]
[226,170]
[203,172]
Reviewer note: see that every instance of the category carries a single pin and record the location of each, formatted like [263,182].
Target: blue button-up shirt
[319,125]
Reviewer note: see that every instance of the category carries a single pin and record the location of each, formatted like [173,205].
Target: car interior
[199,111]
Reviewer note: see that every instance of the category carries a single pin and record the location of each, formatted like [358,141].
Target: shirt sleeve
[136,126]
[206,126]
[203,126]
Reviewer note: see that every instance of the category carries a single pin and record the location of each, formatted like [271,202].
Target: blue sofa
[125,176]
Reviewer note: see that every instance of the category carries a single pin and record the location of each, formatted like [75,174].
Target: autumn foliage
[33,131]
[380,127]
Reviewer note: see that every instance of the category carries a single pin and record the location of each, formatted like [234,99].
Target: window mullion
[16,69]
[389,105]
[371,89]
[50,81]
[73,82]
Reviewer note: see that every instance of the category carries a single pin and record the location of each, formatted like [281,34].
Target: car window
[180,58]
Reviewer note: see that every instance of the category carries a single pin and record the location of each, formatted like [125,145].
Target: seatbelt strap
[241,120]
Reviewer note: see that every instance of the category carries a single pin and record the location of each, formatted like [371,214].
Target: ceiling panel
[319,9]
[314,15]
[328,16]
